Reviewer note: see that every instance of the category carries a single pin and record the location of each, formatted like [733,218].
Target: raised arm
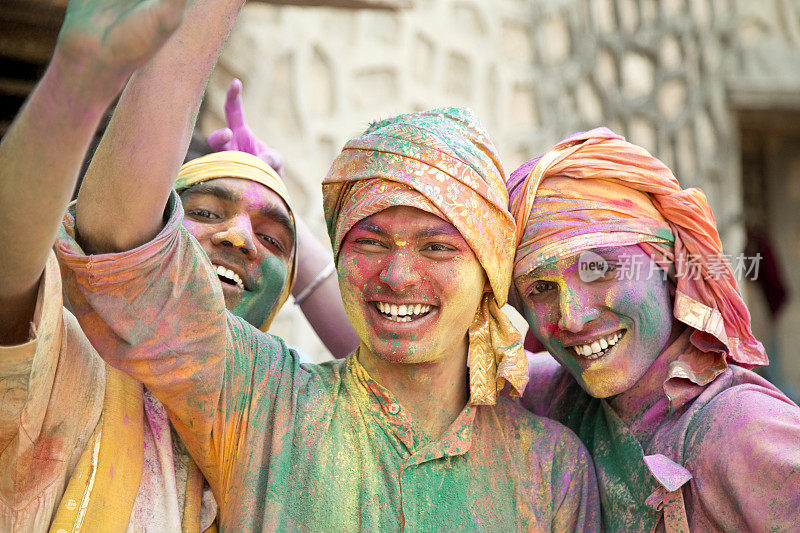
[316,284]
[101,43]
[122,198]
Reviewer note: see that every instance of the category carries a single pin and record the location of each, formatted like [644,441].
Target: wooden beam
[29,29]
[350,4]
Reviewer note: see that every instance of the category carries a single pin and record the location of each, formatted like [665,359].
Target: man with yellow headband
[412,430]
[256,260]
[620,274]
[238,208]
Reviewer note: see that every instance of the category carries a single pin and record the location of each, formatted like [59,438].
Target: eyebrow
[210,189]
[608,252]
[272,212]
[436,231]
[421,234]
[278,216]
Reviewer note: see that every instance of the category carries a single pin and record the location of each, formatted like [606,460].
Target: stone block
[589,104]
[642,132]
[602,13]
[371,87]
[606,70]
[670,55]
[555,42]
[671,98]
[458,75]
[522,112]
[628,13]
[320,89]
[637,75]
[423,53]
[516,45]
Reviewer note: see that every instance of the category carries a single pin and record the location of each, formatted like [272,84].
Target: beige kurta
[56,398]
[51,396]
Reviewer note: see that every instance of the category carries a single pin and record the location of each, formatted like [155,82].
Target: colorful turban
[442,162]
[241,165]
[595,189]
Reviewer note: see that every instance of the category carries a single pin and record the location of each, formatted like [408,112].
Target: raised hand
[239,136]
[112,38]
[101,43]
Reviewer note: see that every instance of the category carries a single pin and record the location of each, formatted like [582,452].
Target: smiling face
[410,284]
[606,327]
[247,232]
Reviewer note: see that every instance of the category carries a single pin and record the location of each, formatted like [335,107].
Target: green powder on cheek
[256,306]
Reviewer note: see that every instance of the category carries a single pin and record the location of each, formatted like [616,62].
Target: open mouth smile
[598,348]
[229,277]
[402,312]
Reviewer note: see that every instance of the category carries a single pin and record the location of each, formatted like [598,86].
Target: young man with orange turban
[408,432]
[620,274]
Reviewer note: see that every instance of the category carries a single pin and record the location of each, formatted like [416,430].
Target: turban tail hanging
[241,165]
[441,162]
[595,189]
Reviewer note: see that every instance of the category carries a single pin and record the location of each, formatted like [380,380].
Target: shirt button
[394,408]
[71,504]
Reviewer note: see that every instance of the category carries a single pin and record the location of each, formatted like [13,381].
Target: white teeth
[597,348]
[403,312]
[231,275]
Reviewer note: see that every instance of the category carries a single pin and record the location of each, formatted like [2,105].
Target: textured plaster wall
[659,72]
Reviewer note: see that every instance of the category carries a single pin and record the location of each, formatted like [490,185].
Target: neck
[633,404]
[433,393]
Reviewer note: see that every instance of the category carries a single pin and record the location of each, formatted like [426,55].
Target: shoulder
[748,423]
[546,438]
[272,355]
[545,378]
[742,404]
[742,449]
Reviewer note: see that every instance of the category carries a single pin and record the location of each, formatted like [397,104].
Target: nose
[238,233]
[399,273]
[576,310]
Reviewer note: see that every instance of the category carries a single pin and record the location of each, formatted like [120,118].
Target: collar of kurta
[409,441]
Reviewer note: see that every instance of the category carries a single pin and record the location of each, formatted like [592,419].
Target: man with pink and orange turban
[620,274]
[413,429]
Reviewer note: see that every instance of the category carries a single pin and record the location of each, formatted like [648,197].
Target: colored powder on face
[256,306]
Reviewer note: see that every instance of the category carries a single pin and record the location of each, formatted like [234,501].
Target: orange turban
[595,189]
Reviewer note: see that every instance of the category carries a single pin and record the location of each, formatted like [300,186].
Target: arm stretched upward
[101,43]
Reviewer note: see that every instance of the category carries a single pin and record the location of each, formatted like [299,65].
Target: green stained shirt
[290,446]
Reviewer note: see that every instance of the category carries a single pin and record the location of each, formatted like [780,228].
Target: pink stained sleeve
[744,455]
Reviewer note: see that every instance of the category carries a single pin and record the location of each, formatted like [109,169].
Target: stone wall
[659,72]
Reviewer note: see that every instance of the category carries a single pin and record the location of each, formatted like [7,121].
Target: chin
[395,353]
[604,383]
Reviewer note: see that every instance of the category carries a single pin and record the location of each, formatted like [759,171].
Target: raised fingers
[234,110]
[220,139]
